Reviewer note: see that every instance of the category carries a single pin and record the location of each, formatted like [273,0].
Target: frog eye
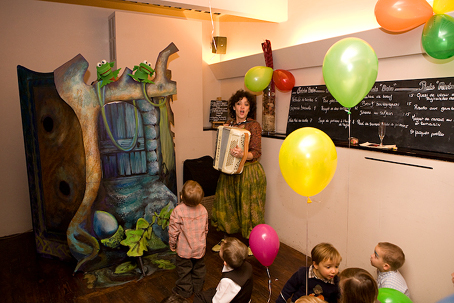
[145,62]
[149,64]
[98,64]
[103,61]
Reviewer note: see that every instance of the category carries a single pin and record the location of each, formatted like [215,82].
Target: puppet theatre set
[101,166]
[101,158]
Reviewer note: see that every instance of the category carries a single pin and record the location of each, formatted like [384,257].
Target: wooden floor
[26,277]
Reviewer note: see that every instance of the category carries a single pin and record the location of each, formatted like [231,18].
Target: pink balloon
[283,79]
[264,244]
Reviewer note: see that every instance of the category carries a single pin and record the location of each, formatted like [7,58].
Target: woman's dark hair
[240,94]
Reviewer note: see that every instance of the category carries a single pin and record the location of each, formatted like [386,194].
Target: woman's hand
[237,152]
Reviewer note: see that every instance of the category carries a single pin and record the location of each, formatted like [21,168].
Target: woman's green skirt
[239,203]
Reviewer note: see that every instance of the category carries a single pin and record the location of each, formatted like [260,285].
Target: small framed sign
[219,112]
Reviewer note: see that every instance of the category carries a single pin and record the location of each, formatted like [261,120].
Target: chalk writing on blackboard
[418,113]
[219,111]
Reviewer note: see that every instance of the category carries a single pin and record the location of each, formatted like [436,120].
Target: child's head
[309,299]
[325,260]
[357,285]
[387,257]
[192,193]
[174,298]
[233,252]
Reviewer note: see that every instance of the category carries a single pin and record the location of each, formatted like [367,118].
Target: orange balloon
[402,15]
[443,6]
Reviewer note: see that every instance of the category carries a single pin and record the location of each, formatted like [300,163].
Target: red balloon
[402,15]
[264,243]
[283,79]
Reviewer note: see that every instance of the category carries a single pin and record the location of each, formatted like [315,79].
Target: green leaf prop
[125,267]
[137,239]
[115,240]
[164,216]
[151,258]
[155,242]
[165,264]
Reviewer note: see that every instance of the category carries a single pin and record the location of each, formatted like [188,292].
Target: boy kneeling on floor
[236,282]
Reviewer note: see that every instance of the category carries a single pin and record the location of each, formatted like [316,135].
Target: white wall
[40,36]
[367,201]
[307,21]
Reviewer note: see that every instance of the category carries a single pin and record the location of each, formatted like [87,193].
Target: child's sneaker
[217,247]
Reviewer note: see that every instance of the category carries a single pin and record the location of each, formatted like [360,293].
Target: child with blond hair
[309,299]
[321,277]
[188,229]
[388,258]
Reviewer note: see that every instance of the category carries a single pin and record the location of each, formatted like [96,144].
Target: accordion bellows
[228,138]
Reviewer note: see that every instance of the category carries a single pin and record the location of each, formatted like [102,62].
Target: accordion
[226,139]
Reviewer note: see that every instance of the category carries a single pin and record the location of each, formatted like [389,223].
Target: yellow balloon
[308,160]
[443,6]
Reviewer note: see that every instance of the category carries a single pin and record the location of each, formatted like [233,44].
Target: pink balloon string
[269,284]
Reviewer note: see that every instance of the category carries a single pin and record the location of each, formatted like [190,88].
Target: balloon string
[348,186]
[212,27]
[269,284]
[307,248]
[212,30]
[349,135]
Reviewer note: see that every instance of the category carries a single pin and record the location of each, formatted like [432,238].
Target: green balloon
[438,36]
[350,69]
[389,295]
[258,78]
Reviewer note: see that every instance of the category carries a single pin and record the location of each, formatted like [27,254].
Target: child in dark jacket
[236,282]
[322,278]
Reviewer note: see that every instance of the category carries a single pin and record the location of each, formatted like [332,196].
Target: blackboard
[219,111]
[419,114]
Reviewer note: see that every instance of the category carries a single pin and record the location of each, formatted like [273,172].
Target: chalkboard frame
[219,111]
[408,102]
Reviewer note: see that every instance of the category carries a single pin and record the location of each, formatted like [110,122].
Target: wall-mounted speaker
[219,45]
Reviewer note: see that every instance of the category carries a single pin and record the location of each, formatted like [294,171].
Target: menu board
[219,111]
[418,113]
